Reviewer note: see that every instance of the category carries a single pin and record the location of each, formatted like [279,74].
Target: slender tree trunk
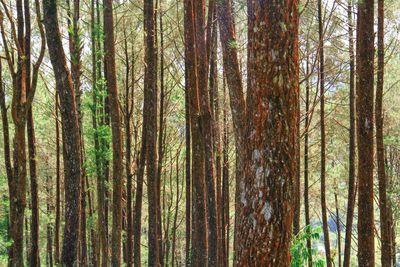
[71,138]
[324,215]
[237,98]
[217,150]
[177,201]
[49,252]
[162,125]
[6,131]
[188,184]
[225,183]
[58,185]
[352,142]
[34,250]
[365,129]
[138,202]
[386,259]
[128,162]
[7,153]
[306,157]
[338,230]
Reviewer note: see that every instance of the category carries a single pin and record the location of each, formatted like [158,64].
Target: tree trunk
[365,129]
[225,183]
[206,131]
[111,78]
[266,192]
[324,215]
[237,100]
[150,118]
[17,186]
[34,250]
[6,131]
[188,183]
[49,249]
[386,258]
[217,149]
[138,202]
[338,230]
[58,185]
[128,161]
[71,138]
[352,143]
[199,224]
[306,157]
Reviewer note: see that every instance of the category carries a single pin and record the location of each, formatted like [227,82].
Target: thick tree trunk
[365,129]
[150,118]
[17,186]
[70,133]
[266,193]
[206,131]
[111,78]
[199,223]
[75,47]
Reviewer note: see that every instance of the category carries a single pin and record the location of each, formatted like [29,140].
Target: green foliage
[299,251]
[233,44]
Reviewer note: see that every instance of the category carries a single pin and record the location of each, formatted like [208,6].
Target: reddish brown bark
[217,148]
[111,79]
[150,118]
[386,258]
[266,192]
[23,94]
[206,131]
[70,133]
[199,224]
[365,129]
[235,84]
[75,47]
